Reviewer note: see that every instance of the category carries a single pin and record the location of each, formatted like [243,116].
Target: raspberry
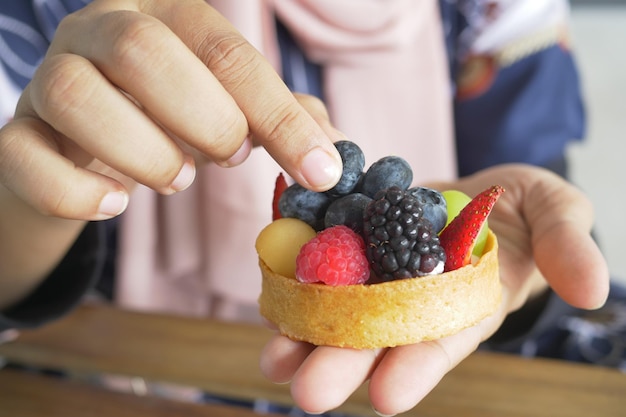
[336,256]
[400,241]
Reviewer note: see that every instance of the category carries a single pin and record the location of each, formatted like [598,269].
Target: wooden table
[223,359]
[24,394]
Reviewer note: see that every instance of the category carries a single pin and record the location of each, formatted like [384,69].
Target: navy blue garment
[528,112]
[299,73]
[26,31]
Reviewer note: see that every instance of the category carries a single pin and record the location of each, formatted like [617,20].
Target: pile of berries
[345,202]
[395,228]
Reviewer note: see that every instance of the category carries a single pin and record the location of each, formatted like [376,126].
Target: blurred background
[599,164]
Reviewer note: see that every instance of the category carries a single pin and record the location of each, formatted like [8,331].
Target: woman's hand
[543,226]
[139,91]
[133,92]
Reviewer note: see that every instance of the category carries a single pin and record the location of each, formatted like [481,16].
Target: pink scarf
[387,89]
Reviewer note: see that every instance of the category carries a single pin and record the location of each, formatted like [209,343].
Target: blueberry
[306,205]
[385,173]
[353,163]
[347,210]
[433,206]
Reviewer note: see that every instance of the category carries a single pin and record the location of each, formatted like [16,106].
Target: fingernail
[241,155]
[381,414]
[184,178]
[113,204]
[599,305]
[8,336]
[320,169]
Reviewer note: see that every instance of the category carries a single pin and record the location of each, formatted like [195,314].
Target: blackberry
[399,242]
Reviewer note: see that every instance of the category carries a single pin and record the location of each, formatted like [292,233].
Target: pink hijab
[387,89]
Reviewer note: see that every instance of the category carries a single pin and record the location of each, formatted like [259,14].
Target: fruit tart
[374,262]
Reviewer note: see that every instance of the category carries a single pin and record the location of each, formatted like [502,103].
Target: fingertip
[594,288]
[281,358]
[240,155]
[184,178]
[329,375]
[321,169]
[586,297]
[580,275]
[394,396]
[112,204]
[382,414]
[269,324]
[597,281]
[306,403]
[598,301]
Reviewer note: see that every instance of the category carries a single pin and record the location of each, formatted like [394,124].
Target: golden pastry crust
[387,314]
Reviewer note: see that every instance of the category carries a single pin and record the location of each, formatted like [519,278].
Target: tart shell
[384,314]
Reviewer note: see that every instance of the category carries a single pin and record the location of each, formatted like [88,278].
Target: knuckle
[229,57]
[24,177]
[277,124]
[9,158]
[136,41]
[60,199]
[157,167]
[314,106]
[61,87]
[309,101]
[54,203]
[29,172]
[68,22]
[71,23]
[226,135]
[156,174]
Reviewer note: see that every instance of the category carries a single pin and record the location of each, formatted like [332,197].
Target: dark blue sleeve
[525,112]
[298,72]
[549,327]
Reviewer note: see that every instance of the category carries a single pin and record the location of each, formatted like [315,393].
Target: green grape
[455,201]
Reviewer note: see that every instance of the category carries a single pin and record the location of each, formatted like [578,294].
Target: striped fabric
[26,28]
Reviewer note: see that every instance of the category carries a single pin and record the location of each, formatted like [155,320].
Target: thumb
[560,218]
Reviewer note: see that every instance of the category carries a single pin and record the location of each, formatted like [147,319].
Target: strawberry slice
[459,237]
[279,187]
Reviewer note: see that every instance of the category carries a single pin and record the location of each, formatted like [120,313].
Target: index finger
[277,121]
